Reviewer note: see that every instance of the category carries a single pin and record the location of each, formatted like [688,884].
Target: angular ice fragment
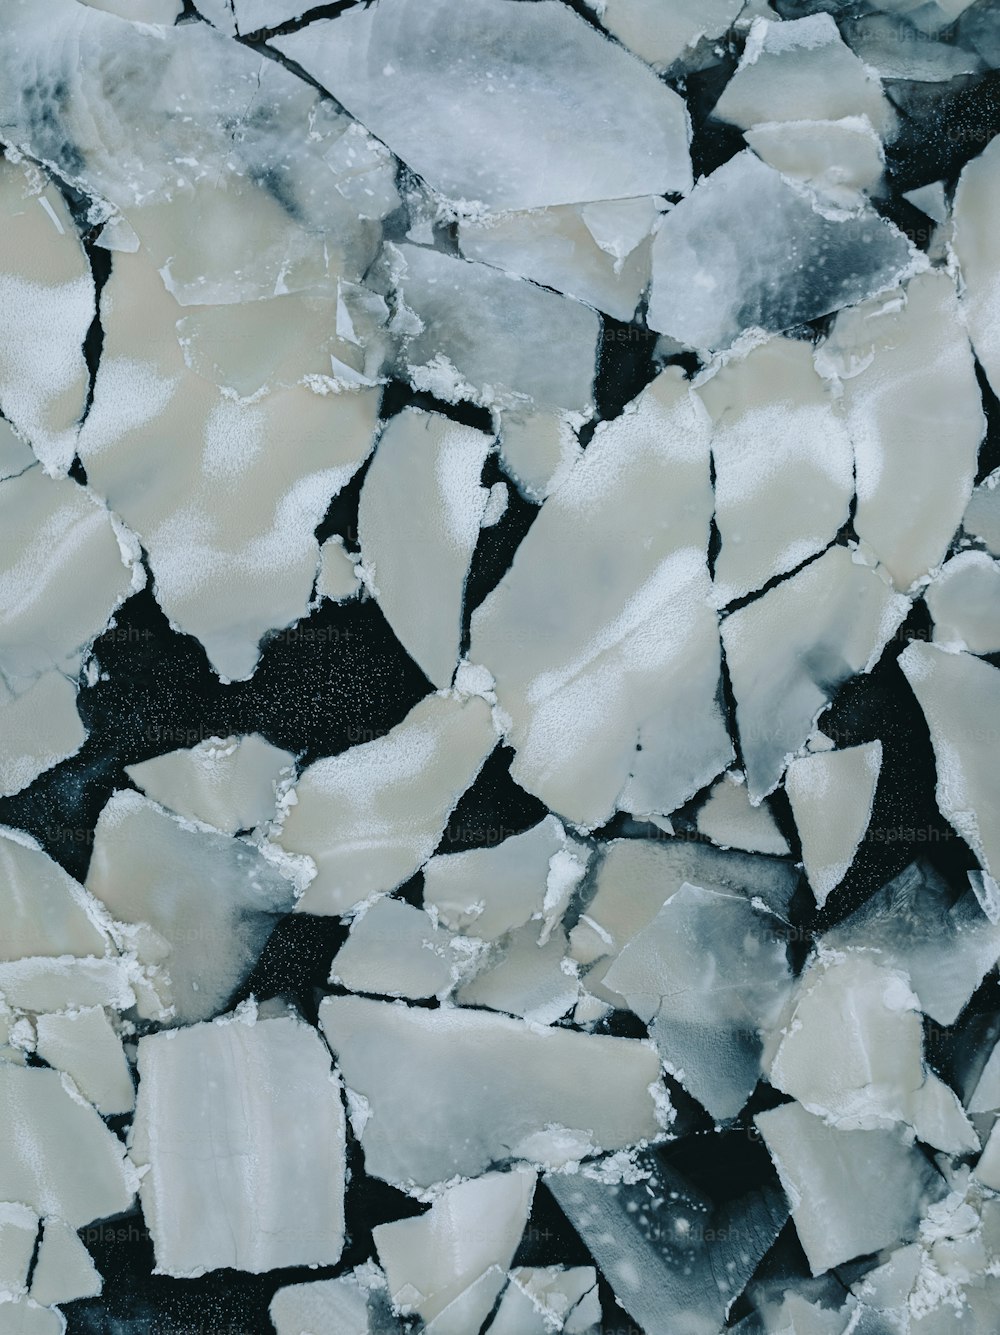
[15,454]
[225,494]
[472,1229]
[44,984]
[458,92]
[930,200]
[371,816]
[83,1043]
[43,909]
[56,1154]
[545,1300]
[832,794]
[909,384]
[556,247]
[18,1233]
[728,819]
[241,1125]
[454,1091]
[790,650]
[960,695]
[64,1270]
[976,243]
[708,289]
[988,1167]
[982,516]
[675,1260]
[395,950]
[538,450]
[524,976]
[326,1305]
[836,159]
[986,1097]
[485,335]
[945,948]
[226,783]
[783,464]
[850,1050]
[210,901]
[38,728]
[600,645]
[661,31]
[338,571]
[708,974]
[964,600]
[486,892]
[419,517]
[895,49]
[801,70]
[47,294]
[23,1316]
[851,1192]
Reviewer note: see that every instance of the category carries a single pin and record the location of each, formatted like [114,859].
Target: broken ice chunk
[832,794]
[15,454]
[18,1233]
[485,335]
[945,948]
[472,1229]
[545,1300]
[728,819]
[241,1125]
[790,650]
[556,247]
[226,783]
[661,32]
[23,1316]
[486,892]
[64,1271]
[801,70]
[538,450]
[708,289]
[982,516]
[986,1097]
[419,517]
[525,976]
[783,464]
[601,646]
[850,1050]
[43,909]
[960,695]
[895,49]
[83,1043]
[326,1307]
[975,241]
[371,816]
[338,577]
[226,494]
[210,902]
[56,1154]
[38,728]
[454,1091]
[45,985]
[908,380]
[458,92]
[709,973]
[836,159]
[396,951]
[675,1260]
[964,600]
[988,1167]
[851,1192]
[47,294]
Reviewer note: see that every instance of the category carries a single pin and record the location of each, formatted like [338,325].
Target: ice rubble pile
[253,260]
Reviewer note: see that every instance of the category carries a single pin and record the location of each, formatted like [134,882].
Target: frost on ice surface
[831,794]
[709,288]
[418,524]
[851,1192]
[41,726]
[64,1270]
[228,783]
[588,627]
[458,92]
[467,1238]
[525,976]
[224,1187]
[338,577]
[964,601]
[783,464]
[729,820]
[339,1305]
[790,650]
[454,1091]
[371,816]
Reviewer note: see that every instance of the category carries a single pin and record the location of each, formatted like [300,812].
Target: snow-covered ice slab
[451,1092]
[600,646]
[964,601]
[459,89]
[711,283]
[674,1259]
[419,518]
[225,1186]
[832,794]
[371,816]
[788,652]
[851,1192]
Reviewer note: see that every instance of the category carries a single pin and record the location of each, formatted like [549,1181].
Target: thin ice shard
[223,1190]
[64,1271]
[832,794]
[549,1299]
[964,600]
[458,91]
[729,820]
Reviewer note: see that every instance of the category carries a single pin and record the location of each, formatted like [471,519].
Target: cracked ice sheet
[599,646]
[450,1092]
[225,1186]
[371,816]
[790,650]
[458,91]
[225,493]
